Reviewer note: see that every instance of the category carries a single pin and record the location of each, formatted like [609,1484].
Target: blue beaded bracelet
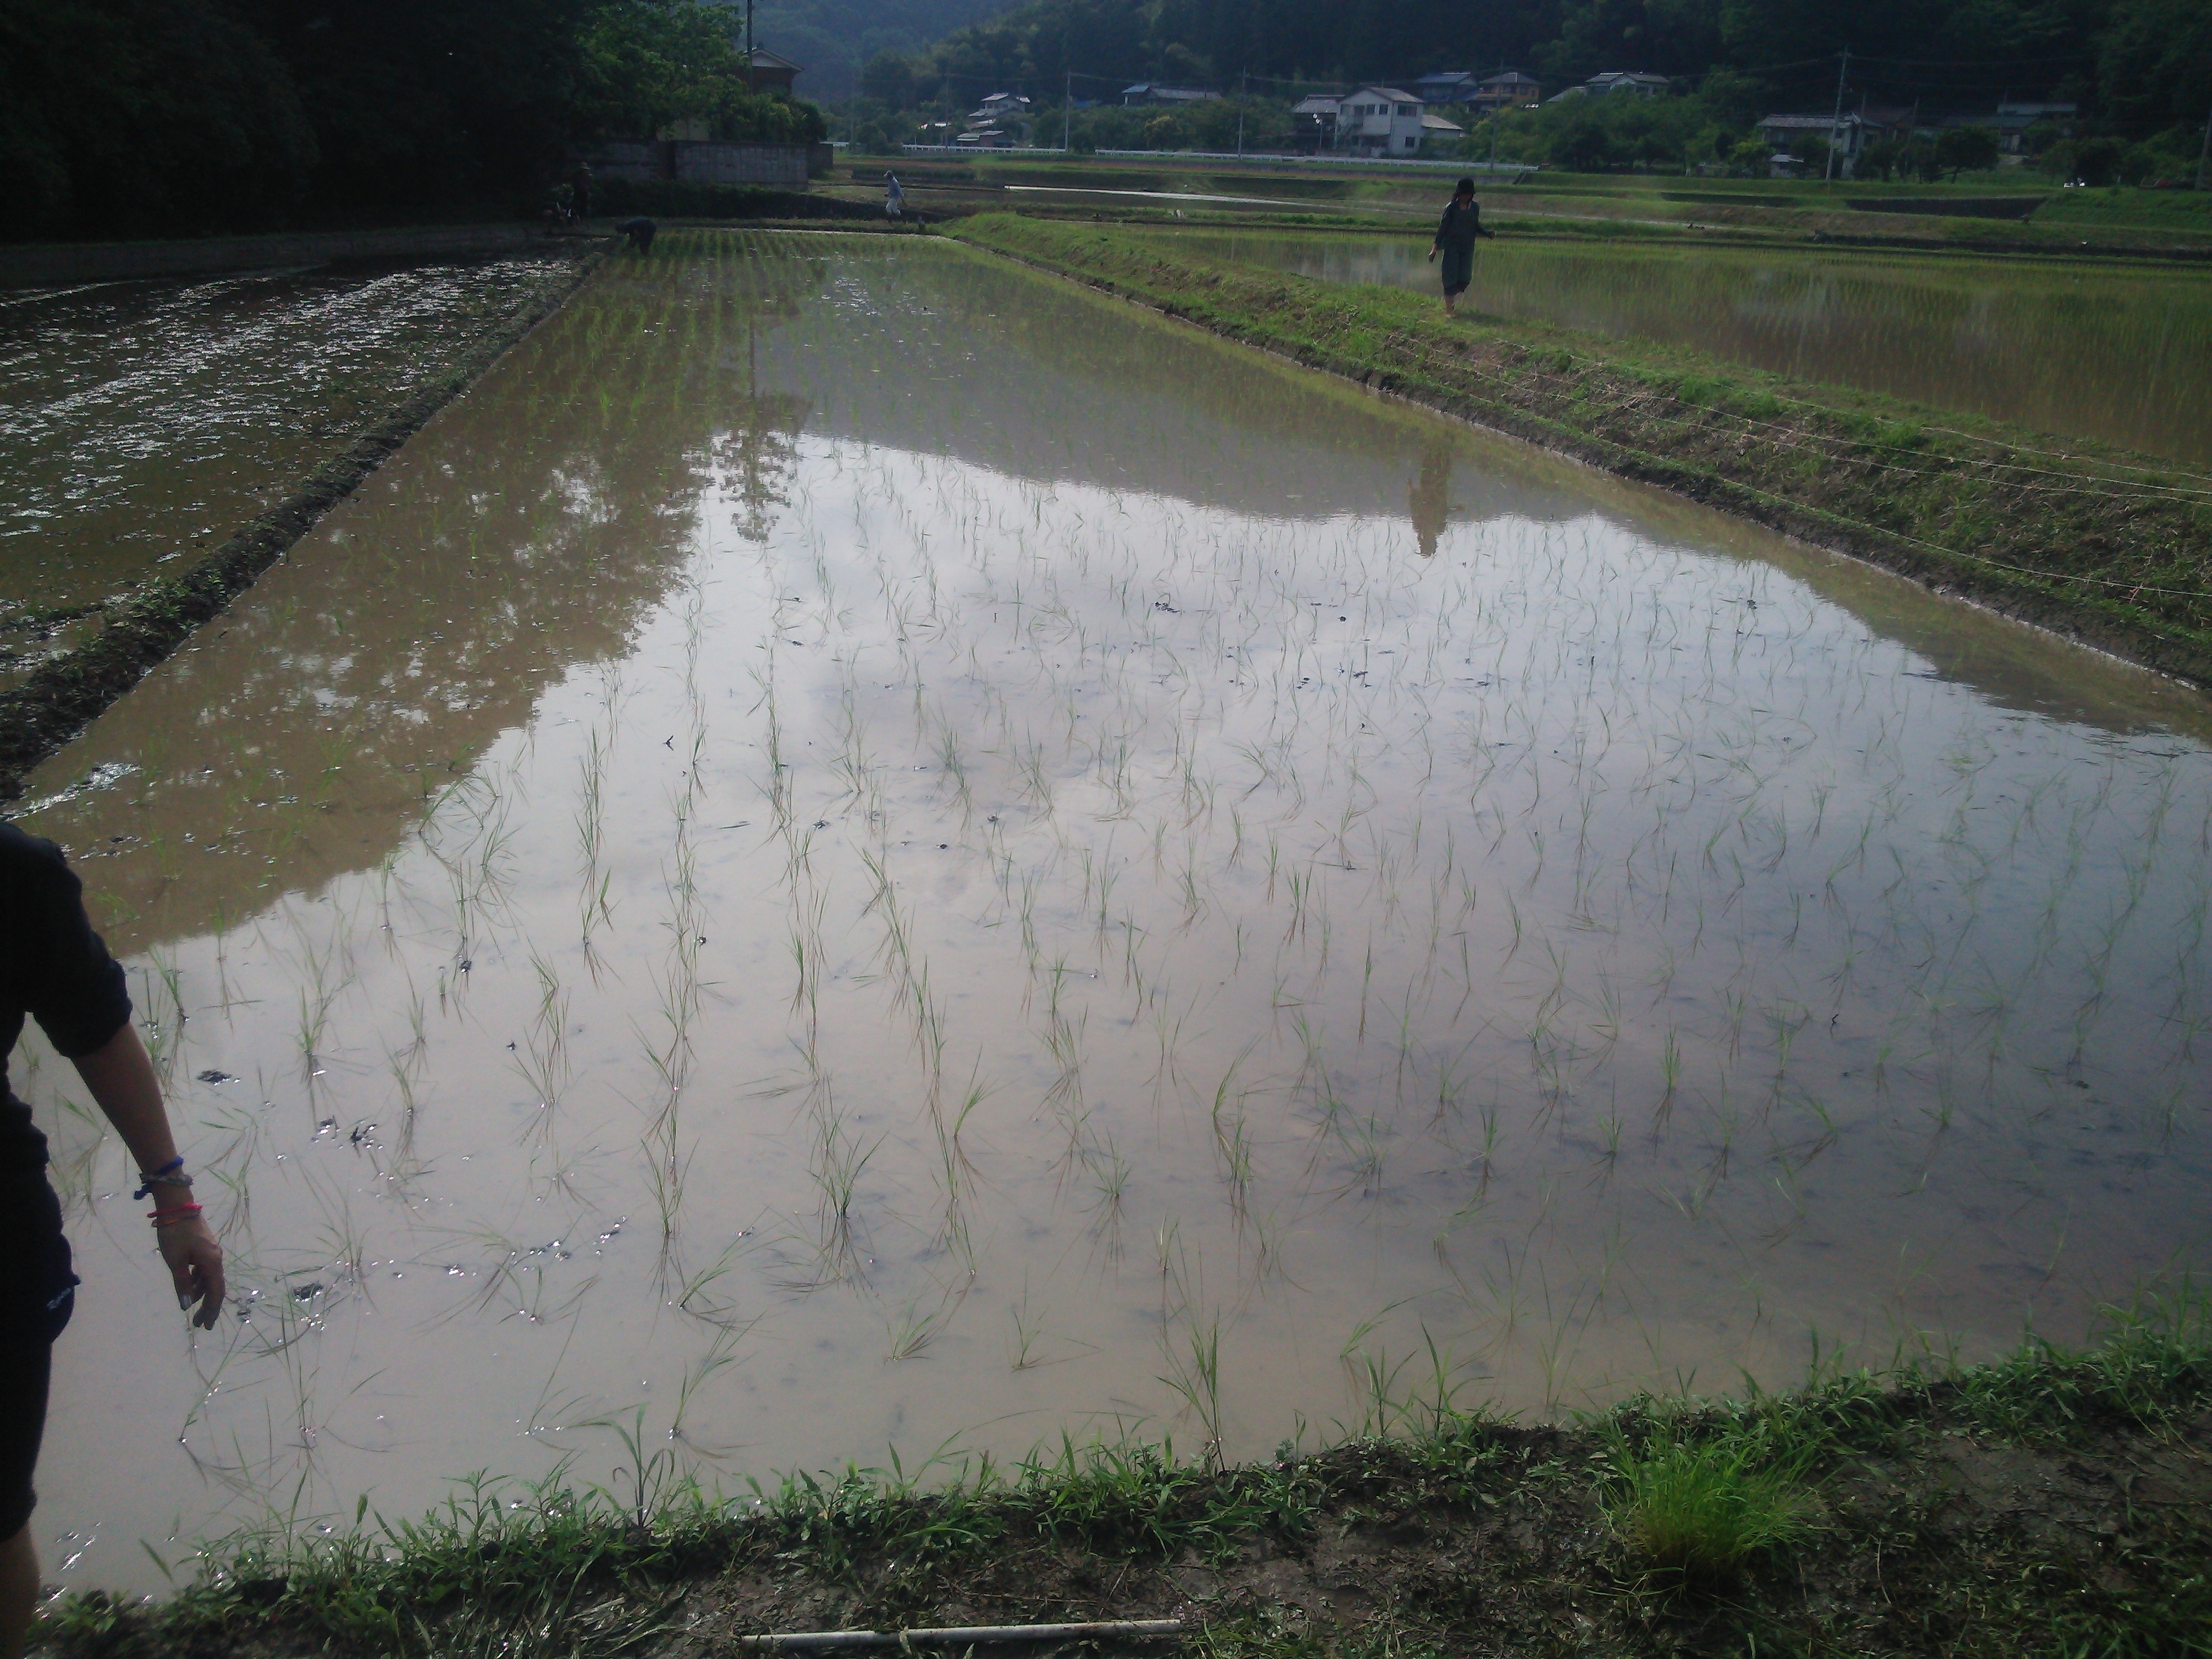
[170,1174]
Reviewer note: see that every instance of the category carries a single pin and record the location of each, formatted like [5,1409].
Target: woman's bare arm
[121,1079]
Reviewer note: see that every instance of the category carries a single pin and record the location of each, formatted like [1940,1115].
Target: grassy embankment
[1759,212]
[2112,548]
[2049,1504]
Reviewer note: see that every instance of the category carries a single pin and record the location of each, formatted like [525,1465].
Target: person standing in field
[54,969]
[894,196]
[1455,235]
[579,191]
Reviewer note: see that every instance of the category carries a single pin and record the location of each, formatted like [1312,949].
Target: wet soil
[71,651]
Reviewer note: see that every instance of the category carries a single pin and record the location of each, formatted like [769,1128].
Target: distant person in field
[1455,235]
[894,196]
[54,969]
[640,233]
[579,191]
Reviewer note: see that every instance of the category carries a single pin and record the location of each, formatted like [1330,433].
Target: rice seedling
[1575,754]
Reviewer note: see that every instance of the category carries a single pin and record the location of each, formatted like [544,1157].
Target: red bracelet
[182,1212]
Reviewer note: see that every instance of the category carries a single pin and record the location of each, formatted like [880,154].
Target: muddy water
[2091,351]
[862,849]
[143,422]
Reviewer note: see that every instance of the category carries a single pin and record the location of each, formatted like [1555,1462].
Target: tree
[1753,155]
[2155,65]
[2085,160]
[1883,158]
[143,118]
[888,79]
[1583,144]
[648,64]
[1966,150]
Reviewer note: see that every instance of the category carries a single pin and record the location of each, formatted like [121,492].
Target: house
[1313,123]
[1637,85]
[1380,121]
[1446,87]
[770,72]
[1003,121]
[2012,120]
[1879,122]
[1845,135]
[1434,126]
[1511,90]
[1150,92]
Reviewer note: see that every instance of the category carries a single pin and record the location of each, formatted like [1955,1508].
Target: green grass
[1754,1524]
[1698,1514]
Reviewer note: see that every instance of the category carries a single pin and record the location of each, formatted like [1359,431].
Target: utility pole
[1242,76]
[1835,125]
[1067,117]
[2204,152]
[749,46]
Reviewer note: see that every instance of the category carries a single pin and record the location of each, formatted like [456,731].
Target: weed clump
[1699,1514]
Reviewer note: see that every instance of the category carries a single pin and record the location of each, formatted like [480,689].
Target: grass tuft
[1701,1514]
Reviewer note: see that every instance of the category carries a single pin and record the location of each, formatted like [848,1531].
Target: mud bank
[57,700]
[2050,1503]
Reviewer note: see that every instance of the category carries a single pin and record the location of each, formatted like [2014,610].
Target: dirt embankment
[2111,548]
[2047,1506]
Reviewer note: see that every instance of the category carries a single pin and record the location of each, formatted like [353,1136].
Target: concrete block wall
[782,167]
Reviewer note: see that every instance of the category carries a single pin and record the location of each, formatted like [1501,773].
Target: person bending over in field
[640,233]
[1455,235]
[54,969]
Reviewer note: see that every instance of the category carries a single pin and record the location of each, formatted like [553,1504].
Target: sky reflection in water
[860,847]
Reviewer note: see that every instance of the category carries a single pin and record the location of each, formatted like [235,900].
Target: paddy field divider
[2111,549]
[58,699]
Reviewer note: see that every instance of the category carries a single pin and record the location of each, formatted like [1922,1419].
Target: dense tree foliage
[2138,67]
[835,39]
[164,117]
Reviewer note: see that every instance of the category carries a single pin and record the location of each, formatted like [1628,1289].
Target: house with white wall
[1380,121]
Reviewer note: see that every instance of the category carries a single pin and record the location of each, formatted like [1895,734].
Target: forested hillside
[180,117]
[832,39]
[2139,66]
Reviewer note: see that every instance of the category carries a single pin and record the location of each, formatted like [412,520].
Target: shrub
[1966,150]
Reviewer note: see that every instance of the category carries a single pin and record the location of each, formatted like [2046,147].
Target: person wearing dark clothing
[640,233]
[55,970]
[579,191]
[1455,235]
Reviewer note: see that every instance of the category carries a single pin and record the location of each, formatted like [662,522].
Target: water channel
[861,848]
[2108,352]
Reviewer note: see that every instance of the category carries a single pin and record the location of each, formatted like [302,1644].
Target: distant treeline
[181,117]
[2136,67]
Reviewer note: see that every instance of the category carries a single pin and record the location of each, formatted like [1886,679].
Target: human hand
[1432,256]
[195,1262]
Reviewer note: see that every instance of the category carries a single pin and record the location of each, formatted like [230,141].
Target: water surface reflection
[2115,354]
[861,847]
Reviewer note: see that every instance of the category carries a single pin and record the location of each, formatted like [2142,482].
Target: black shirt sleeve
[67,981]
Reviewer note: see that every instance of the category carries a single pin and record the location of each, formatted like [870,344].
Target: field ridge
[2111,549]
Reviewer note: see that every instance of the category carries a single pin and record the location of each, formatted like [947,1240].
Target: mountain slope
[832,39]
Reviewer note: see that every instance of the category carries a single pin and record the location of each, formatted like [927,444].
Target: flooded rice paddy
[142,423]
[2114,354]
[859,849]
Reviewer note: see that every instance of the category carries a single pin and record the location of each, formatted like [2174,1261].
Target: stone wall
[698,162]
